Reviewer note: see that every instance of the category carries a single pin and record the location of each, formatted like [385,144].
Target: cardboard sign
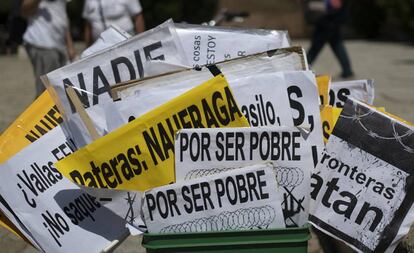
[58,214]
[324,83]
[262,98]
[362,90]
[245,198]
[207,45]
[140,155]
[304,103]
[37,120]
[361,188]
[150,53]
[202,152]
[286,59]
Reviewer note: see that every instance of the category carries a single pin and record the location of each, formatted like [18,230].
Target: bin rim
[305,230]
[217,244]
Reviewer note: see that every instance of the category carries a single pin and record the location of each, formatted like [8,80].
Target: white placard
[361,190]
[58,214]
[209,45]
[245,198]
[362,90]
[200,152]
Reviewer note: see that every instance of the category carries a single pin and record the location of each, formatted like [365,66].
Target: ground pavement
[390,64]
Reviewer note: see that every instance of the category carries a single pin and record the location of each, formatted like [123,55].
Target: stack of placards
[188,129]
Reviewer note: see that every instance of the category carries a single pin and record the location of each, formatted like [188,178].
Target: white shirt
[47,28]
[103,13]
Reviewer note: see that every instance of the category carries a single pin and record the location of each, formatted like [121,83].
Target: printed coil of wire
[205,172]
[245,218]
[288,176]
[358,117]
[285,176]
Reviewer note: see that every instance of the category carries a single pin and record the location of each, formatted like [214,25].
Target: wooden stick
[82,113]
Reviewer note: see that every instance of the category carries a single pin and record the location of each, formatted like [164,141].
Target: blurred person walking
[328,29]
[100,14]
[47,39]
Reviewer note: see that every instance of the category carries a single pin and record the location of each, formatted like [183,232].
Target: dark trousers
[330,32]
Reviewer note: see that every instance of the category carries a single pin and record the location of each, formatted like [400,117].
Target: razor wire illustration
[130,216]
[288,176]
[395,136]
[245,218]
[205,172]
[285,176]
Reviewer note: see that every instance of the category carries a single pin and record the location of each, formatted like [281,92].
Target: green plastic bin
[290,240]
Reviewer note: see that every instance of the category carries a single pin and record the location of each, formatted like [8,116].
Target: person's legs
[43,62]
[340,52]
[319,38]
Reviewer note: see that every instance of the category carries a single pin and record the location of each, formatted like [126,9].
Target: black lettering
[296,105]
[115,68]
[99,77]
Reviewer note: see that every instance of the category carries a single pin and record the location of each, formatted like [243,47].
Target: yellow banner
[329,117]
[38,119]
[323,88]
[140,155]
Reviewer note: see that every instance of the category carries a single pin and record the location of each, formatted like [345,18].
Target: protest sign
[140,155]
[150,53]
[304,102]
[38,119]
[262,98]
[245,198]
[363,90]
[202,152]
[324,83]
[58,214]
[206,45]
[42,116]
[361,188]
